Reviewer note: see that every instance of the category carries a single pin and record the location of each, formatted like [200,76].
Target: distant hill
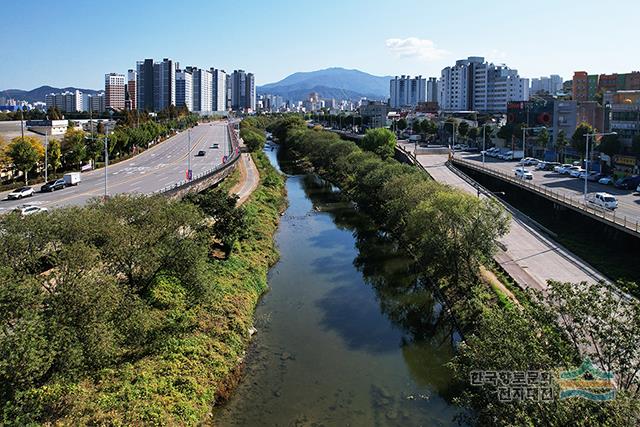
[37,94]
[338,83]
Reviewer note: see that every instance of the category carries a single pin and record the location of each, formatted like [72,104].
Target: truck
[514,155]
[72,178]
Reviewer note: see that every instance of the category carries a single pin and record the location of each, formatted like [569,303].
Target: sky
[74,43]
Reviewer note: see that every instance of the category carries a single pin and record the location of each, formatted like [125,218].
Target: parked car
[548,166]
[607,180]
[561,168]
[529,161]
[523,173]
[569,170]
[56,184]
[577,171]
[30,210]
[200,153]
[605,200]
[595,176]
[628,182]
[21,192]
[72,178]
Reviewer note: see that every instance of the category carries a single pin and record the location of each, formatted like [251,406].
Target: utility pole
[484,128]
[189,155]
[22,123]
[46,157]
[106,162]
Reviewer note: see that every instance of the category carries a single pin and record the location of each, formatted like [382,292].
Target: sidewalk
[249,179]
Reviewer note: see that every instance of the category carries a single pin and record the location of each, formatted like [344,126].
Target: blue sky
[74,43]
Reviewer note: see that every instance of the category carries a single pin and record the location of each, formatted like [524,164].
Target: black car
[201,153]
[628,183]
[54,185]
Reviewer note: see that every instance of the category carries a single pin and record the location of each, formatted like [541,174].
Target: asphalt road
[156,168]
[628,201]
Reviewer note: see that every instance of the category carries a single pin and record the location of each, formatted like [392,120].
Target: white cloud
[413,47]
[496,56]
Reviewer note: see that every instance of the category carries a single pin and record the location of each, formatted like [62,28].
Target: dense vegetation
[452,235]
[134,311]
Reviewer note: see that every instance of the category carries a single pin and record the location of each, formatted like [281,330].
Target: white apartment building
[407,92]
[69,102]
[218,90]
[550,85]
[184,89]
[114,89]
[201,89]
[473,84]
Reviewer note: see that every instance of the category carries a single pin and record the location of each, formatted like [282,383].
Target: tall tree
[578,140]
[543,138]
[610,145]
[380,141]
[25,154]
[560,145]
[55,155]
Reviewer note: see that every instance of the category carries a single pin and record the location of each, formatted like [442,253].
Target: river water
[347,334]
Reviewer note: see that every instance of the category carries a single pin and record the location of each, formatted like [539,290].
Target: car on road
[213,146]
[523,173]
[628,182]
[570,170]
[577,171]
[605,200]
[606,180]
[595,176]
[56,184]
[529,161]
[21,192]
[201,153]
[25,210]
[561,168]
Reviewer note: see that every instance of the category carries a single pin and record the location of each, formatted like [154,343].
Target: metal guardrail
[235,145]
[574,202]
[413,158]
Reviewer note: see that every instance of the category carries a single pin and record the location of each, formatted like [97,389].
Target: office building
[184,89]
[374,113]
[202,82]
[432,90]
[243,91]
[546,85]
[114,90]
[144,85]
[218,90]
[132,78]
[473,84]
[164,84]
[407,92]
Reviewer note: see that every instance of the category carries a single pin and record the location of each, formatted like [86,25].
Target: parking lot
[628,200]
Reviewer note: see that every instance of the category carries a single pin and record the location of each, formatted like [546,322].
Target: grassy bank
[197,340]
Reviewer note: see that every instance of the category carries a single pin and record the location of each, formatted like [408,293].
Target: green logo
[587,382]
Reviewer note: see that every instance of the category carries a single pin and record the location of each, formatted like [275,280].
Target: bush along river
[347,334]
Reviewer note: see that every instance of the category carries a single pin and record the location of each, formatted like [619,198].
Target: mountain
[37,94]
[338,83]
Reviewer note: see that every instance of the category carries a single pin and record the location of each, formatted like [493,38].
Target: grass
[193,367]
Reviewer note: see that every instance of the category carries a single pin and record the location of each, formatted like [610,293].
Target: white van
[605,200]
[72,178]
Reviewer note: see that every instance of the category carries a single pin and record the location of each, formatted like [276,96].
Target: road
[150,171]
[530,258]
[628,201]
[249,179]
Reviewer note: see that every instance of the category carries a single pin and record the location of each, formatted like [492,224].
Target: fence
[629,225]
[235,155]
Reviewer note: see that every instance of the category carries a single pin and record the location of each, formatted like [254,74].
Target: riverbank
[193,342]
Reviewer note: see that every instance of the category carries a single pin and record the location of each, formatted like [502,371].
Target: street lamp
[524,130]
[586,158]
[46,156]
[454,125]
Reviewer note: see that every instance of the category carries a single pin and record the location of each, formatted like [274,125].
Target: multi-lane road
[565,185]
[158,167]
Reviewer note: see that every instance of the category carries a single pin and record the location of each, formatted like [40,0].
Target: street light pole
[46,157]
[484,128]
[106,163]
[189,156]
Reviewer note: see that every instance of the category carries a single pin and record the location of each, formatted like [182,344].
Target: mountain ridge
[38,94]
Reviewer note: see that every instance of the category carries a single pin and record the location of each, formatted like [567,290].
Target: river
[347,334]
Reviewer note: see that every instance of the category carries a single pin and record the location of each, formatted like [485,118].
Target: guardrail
[629,225]
[413,159]
[235,150]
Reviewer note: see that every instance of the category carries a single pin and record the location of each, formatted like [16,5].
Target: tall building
[132,78]
[69,102]
[144,85]
[184,89]
[114,91]
[243,91]
[473,84]
[96,103]
[587,86]
[164,84]
[201,89]
[432,90]
[407,92]
[218,90]
[549,85]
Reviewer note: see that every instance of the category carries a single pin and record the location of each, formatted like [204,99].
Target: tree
[253,138]
[54,155]
[543,138]
[429,127]
[473,134]
[560,144]
[610,145]
[73,146]
[380,141]
[635,146]
[463,129]
[401,124]
[25,154]
[416,126]
[578,140]
[100,128]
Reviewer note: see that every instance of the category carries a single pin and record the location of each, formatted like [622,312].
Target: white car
[638,189]
[529,161]
[30,210]
[19,193]
[607,180]
[561,168]
[567,171]
[576,172]
[605,200]
[523,173]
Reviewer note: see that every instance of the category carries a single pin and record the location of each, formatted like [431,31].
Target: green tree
[429,127]
[578,140]
[635,145]
[380,141]
[253,138]
[463,129]
[54,155]
[610,145]
[543,138]
[560,145]
[416,126]
[25,154]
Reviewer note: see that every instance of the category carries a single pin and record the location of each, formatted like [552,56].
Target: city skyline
[331,35]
